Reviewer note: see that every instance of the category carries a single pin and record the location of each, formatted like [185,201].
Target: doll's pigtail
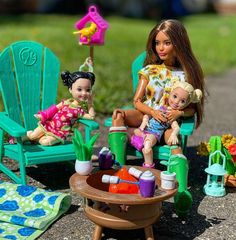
[91,77]
[66,78]
[196,96]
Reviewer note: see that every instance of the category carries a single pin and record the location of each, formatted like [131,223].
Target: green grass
[213,40]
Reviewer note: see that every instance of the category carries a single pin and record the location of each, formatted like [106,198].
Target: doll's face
[178,99]
[81,89]
[165,48]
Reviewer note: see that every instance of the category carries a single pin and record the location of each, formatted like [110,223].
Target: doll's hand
[173,139]
[90,100]
[38,116]
[159,115]
[88,116]
[173,115]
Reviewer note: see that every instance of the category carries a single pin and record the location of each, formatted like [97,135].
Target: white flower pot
[168,180]
[83,167]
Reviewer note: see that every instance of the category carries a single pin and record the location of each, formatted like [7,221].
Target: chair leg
[149,233]
[184,139]
[21,162]
[97,234]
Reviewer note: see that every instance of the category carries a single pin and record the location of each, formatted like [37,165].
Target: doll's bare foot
[25,139]
[35,134]
[48,141]
[148,165]
[29,134]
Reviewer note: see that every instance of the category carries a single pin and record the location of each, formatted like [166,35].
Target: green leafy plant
[83,151]
[168,164]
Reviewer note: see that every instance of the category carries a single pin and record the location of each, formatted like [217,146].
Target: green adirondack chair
[186,127]
[29,74]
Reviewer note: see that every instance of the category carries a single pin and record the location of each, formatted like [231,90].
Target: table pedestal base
[123,217]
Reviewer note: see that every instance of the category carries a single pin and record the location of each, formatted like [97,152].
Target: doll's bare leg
[48,140]
[139,131]
[144,122]
[36,134]
[118,136]
[149,142]
[130,118]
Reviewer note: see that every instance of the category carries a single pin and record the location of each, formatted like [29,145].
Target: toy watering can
[105,159]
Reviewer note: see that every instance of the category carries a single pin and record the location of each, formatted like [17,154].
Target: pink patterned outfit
[61,124]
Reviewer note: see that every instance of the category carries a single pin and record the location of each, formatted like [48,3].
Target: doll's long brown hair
[185,58]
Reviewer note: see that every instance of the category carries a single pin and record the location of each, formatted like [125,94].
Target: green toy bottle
[117,141]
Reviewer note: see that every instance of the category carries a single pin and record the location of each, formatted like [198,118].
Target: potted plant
[226,144]
[83,152]
[168,178]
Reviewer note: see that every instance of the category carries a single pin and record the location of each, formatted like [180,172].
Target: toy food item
[124,187]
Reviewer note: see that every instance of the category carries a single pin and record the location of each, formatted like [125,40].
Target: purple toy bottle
[147,184]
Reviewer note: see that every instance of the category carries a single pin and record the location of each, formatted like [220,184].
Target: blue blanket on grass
[27,211]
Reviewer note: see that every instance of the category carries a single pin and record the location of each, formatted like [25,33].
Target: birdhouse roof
[93,16]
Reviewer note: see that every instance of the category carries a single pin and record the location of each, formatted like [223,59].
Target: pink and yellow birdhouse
[91,28]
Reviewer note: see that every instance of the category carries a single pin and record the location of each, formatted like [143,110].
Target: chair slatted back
[29,80]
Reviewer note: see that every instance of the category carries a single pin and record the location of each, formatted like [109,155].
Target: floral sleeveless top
[160,80]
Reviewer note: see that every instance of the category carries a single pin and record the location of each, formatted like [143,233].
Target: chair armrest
[187,126]
[10,126]
[108,122]
[91,124]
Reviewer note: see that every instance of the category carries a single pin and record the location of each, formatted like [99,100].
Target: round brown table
[119,211]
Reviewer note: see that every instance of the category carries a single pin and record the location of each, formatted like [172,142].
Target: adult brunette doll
[168,55]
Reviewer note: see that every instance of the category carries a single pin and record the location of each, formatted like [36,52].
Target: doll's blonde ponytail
[196,96]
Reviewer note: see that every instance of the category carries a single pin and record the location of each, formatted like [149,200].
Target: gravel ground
[209,218]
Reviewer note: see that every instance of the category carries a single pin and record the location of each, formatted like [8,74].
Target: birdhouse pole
[91,54]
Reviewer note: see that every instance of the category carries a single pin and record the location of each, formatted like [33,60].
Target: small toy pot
[230,180]
[83,167]
[168,180]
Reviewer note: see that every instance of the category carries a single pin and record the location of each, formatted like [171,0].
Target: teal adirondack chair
[186,127]
[29,74]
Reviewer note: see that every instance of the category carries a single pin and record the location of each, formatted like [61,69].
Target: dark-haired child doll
[56,122]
